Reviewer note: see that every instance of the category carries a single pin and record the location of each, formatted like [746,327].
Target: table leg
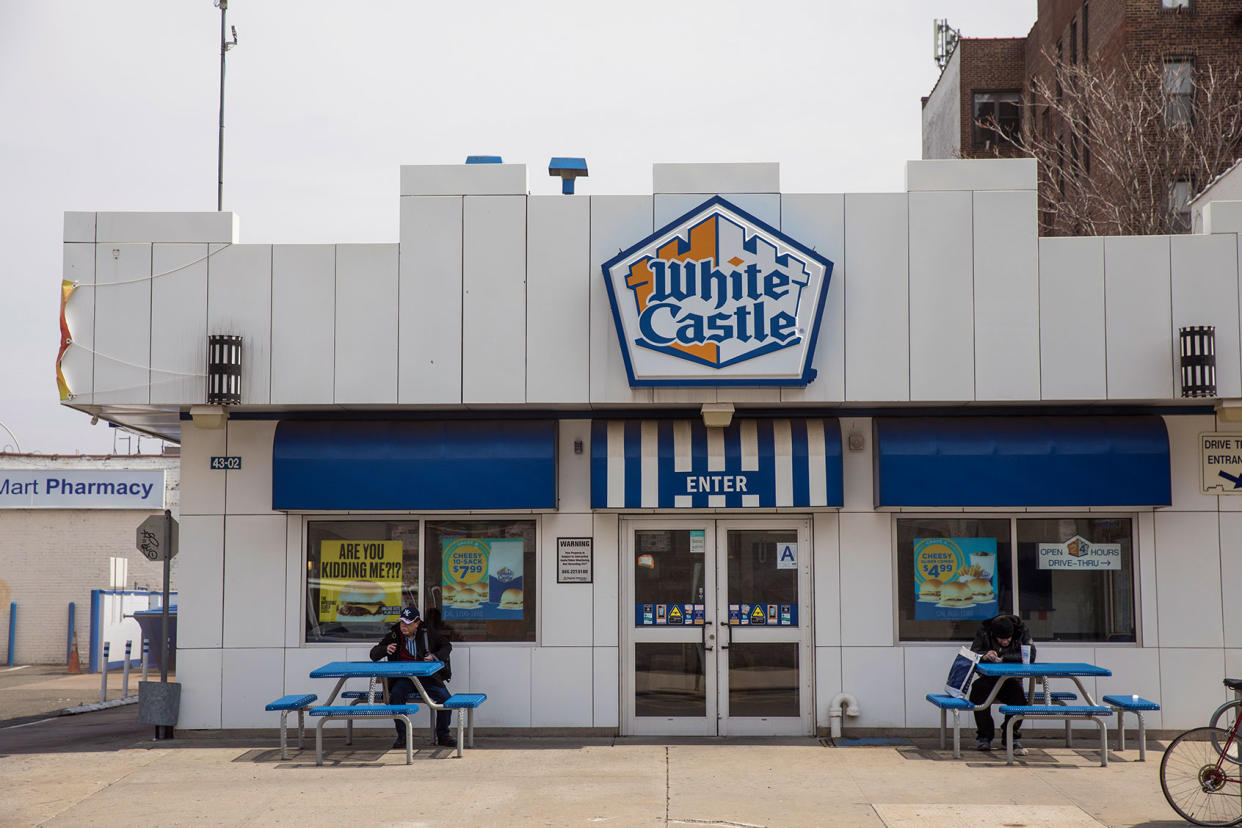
[284,722]
[943,718]
[1121,729]
[339,684]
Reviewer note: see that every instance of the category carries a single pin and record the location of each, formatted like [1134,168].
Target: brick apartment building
[994,77]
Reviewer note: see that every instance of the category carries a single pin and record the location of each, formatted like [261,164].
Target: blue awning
[1022,461]
[681,464]
[414,465]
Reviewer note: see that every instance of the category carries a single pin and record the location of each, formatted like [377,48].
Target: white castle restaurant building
[695,462]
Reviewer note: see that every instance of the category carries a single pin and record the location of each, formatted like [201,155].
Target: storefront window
[480,579]
[358,576]
[951,574]
[1076,579]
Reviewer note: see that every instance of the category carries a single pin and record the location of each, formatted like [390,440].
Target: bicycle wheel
[1223,719]
[1195,782]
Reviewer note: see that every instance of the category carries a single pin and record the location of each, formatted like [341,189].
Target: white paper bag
[961,672]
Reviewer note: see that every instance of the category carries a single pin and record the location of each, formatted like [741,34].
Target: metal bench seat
[286,705]
[946,703]
[1136,705]
[365,711]
[1018,712]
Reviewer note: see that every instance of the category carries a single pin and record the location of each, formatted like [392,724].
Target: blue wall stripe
[668,461]
[406,465]
[1022,461]
[801,463]
[599,463]
[698,452]
[733,460]
[633,462]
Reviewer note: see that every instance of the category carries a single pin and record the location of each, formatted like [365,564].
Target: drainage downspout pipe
[841,702]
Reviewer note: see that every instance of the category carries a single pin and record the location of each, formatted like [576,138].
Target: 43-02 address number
[226,463]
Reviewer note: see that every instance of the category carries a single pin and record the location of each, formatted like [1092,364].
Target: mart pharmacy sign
[718,297]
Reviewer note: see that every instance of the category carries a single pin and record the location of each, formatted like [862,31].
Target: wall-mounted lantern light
[1198,360]
[224,366]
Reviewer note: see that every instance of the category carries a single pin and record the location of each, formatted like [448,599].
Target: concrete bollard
[146,657]
[129,647]
[103,674]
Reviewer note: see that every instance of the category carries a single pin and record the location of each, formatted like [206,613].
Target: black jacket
[437,645]
[985,640]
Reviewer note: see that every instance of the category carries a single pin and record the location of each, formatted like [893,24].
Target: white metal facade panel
[79,227]
[366,323]
[857,467]
[493,346]
[198,672]
[202,488]
[561,682]
[300,661]
[573,471]
[251,679]
[617,222]
[924,669]
[254,577]
[79,361]
[942,343]
[818,221]
[249,489]
[239,303]
[430,330]
[866,579]
[1145,528]
[504,674]
[1006,296]
[166,227]
[1231,577]
[606,587]
[1205,292]
[1071,307]
[971,174]
[875,674]
[295,569]
[764,206]
[1185,472]
[877,290]
[1184,622]
[303,319]
[1190,685]
[753,177]
[558,299]
[179,323]
[606,666]
[826,572]
[1136,670]
[1216,423]
[1137,314]
[827,681]
[200,581]
[563,607]
[122,323]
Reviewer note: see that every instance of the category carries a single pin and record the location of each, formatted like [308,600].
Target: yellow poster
[359,581]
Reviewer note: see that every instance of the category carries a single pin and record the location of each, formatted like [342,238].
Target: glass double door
[717,627]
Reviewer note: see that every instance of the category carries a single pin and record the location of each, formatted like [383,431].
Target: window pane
[480,579]
[669,680]
[668,567]
[763,679]
[1076,578]
[753,574]
[358,575]
[965,561]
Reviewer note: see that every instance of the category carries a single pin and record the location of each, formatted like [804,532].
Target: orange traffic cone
[75,664]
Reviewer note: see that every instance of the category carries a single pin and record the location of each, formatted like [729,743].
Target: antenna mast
[944,41]
[225,45]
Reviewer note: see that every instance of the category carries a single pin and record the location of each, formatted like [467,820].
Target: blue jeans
[399,690]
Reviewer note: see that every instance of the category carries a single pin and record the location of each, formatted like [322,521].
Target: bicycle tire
[1194,782]
[1223,719]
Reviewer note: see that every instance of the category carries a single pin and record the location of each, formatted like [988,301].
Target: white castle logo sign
[717,297]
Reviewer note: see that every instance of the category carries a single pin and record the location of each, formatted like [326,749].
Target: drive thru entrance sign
[1220,458]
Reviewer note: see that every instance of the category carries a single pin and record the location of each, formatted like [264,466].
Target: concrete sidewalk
[103,769]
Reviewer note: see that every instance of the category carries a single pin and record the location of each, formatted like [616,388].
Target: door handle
[727,626]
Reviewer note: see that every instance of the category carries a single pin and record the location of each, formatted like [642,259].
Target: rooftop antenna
[945,39]
[225,45]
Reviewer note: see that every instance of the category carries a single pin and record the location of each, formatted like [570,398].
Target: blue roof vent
[484,159]
[568,169]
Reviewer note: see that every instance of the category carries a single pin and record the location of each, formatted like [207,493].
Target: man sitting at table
[412,640]
[999,639]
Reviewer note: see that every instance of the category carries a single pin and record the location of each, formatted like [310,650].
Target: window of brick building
[1085,28]
[1073,41]
[998,115]
[1179,86]
[1174,5]
[1181,189]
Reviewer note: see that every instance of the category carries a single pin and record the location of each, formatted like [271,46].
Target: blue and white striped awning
[681,464]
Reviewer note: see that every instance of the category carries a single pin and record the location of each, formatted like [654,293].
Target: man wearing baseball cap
[412,640]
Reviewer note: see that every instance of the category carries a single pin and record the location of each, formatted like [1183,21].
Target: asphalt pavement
[103,768]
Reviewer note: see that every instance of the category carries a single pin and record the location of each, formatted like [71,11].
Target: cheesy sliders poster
[955,578]
[359,581]
[482,579]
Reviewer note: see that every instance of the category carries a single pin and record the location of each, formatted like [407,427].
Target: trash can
[150,622]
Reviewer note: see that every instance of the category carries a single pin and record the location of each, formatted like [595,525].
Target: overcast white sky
[114,106]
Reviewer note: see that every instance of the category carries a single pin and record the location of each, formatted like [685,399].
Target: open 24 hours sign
[1220,458]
